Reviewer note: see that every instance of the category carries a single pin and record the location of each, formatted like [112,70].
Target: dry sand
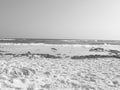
[27,67]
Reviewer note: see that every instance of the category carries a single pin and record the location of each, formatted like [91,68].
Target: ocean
[60,41]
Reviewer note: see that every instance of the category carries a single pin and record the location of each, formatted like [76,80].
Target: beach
[39,66]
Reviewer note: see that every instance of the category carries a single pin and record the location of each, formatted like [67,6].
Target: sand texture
[59,67]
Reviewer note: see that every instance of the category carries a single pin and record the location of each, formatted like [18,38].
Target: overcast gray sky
[70,19]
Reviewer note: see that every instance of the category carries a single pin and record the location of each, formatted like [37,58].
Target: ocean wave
[63,45]
[7,39]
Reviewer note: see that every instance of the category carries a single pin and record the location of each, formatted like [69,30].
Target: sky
[60,19]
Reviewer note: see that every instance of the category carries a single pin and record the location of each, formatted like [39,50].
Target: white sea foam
[63,45]
[7,39]
[75,45]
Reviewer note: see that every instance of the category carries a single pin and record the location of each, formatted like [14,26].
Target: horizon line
[62,39]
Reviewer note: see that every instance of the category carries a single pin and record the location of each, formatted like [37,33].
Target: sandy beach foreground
[59,67]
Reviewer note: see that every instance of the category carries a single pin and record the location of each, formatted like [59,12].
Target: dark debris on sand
[95,56]
[30,55]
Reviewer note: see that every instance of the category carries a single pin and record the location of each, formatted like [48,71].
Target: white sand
[58,74]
